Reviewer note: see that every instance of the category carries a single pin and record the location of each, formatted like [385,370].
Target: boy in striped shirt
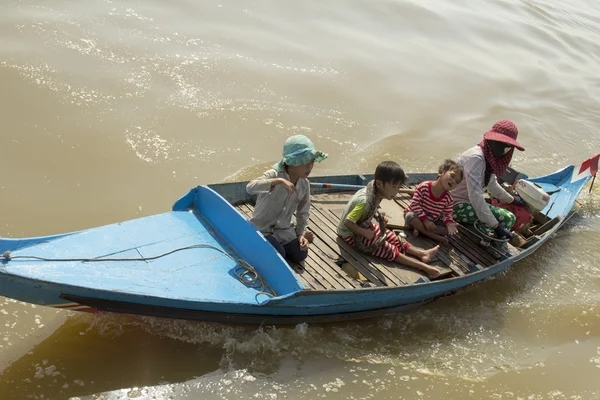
[432,204]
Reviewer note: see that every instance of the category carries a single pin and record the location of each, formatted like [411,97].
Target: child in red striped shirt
[432,204]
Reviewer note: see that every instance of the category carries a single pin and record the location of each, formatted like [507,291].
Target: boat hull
[301,306]
[203,283]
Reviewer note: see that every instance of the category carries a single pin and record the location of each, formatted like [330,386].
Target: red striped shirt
[427,206]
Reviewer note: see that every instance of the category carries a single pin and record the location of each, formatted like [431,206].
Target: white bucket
[532,194]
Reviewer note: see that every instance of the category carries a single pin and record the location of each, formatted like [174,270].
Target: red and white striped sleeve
[416,204]
[448,212]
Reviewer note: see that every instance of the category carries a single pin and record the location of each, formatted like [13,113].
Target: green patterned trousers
[465,214]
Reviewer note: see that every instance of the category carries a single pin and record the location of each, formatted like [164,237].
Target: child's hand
[289,186]
[452,229]
[303,243]
[369,234]
[386,221]
[309,235]
[429,225]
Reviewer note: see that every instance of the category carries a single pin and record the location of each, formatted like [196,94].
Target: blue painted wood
[548,187]
[246,240]
[201,274]
[200,282]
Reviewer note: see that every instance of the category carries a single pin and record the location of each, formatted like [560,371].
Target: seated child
[283,190]
[432,204]
[357,229]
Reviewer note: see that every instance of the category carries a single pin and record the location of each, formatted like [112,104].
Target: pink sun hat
[504,131]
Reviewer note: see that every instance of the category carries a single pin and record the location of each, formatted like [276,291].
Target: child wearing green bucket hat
[283,190]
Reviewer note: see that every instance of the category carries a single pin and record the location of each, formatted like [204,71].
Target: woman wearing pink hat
[482,164]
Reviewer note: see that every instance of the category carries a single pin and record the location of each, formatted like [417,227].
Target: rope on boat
[250,278]
[245,272]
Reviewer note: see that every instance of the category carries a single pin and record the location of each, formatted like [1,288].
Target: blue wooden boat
[204,260]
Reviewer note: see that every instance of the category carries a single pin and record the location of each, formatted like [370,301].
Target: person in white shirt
[482,164]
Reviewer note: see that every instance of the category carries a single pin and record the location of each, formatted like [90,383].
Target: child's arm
[303,214]
[448,211]
[447,215]
[417,208]
[266,182]
[416,203]
[353,217]
[357,230]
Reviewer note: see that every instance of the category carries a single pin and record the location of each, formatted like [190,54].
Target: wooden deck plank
[447,250]
[456,245]
[347,253]
[397,219]
[404,273]
[457,258]
[328,266]
[318,264]
[489,251]
[327,255]
[477,253]
[373,263]
[322,272]
[444,252]
[472,250]
[395,213]
[400,273]
[313,277]
[463,245]
[325,267]
[306,278]
[312,265]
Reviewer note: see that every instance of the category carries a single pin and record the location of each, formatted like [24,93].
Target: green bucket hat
[298,150]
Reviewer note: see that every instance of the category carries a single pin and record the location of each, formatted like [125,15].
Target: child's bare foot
[439,238]
[429,254]
[432,272]
[309,235]
[415,232]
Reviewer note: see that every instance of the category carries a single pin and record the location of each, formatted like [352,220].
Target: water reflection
[91,354]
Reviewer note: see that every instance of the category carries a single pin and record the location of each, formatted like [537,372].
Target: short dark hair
[451,165]
[390,172]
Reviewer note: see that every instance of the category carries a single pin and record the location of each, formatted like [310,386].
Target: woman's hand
[518,201]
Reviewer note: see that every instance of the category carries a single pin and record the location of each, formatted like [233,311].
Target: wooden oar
[349,187]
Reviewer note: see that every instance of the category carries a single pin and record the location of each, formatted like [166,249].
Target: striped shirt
[429,207]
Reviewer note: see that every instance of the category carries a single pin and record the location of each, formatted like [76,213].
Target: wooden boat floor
[333,264]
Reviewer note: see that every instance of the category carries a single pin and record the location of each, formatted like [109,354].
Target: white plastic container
[532,194]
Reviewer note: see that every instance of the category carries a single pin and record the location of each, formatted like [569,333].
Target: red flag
[591,163]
